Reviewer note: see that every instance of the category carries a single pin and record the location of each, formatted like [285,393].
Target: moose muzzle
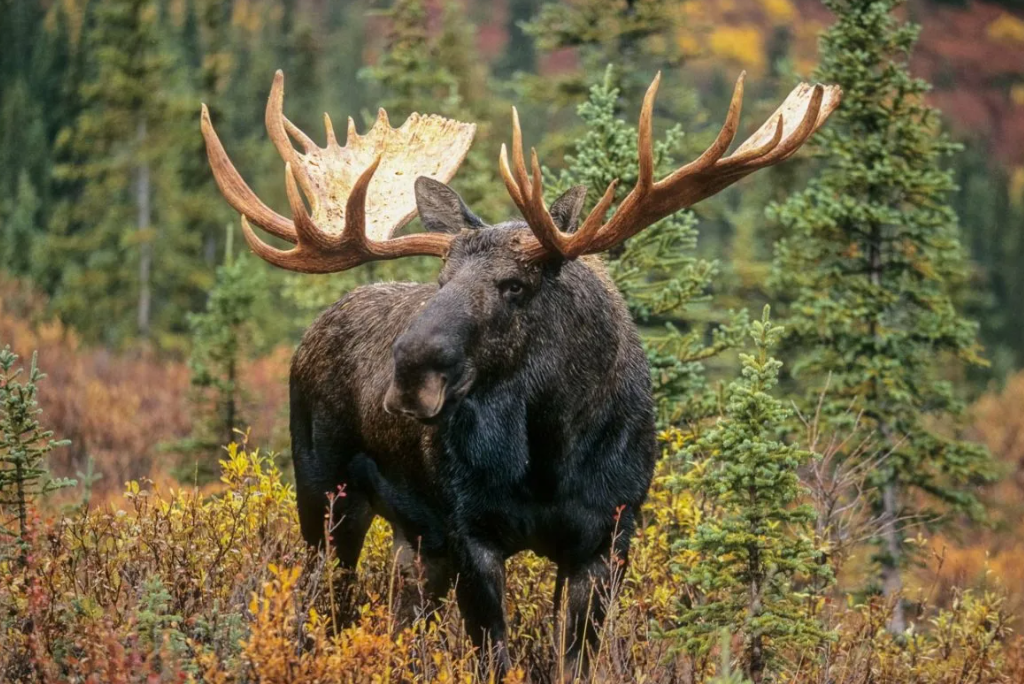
[422,400]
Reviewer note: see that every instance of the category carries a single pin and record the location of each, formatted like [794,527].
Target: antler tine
[507,177]
[518,163]
[354,233]
[803,131]
[307,143]
[309,234]
[329,127]
[236,191]
[722,141]
[645,137]
[591,226]
[274,119]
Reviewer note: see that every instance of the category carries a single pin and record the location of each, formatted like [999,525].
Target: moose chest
[515,480]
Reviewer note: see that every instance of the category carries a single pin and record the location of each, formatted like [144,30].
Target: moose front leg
[480,590]
[589,585]
[586,585]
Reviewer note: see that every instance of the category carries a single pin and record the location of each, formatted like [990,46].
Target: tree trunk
[756,660]
[142,188]
[230,401]
[892,581]
[22,500]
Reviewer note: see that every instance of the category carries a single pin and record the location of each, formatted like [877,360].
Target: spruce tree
[664,281]
[639,35]
[871,262]
[755,539]
[103,237]
[24,444]
[222,337]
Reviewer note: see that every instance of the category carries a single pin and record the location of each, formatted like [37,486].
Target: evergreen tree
[409,73]
[871,262]
[664,282]
[639,35]
[24,444]
[990,205]
[222,336]
[102,247]
[754,538]
[18,229]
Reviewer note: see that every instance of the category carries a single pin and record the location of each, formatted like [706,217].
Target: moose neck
[575,332]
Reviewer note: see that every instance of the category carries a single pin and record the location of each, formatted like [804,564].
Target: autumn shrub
[178,584]
[120,409]
[990,557]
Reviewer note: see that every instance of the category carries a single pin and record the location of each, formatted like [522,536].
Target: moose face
[479,321]
[480,318]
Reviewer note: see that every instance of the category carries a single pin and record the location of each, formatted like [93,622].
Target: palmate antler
[800,115]
[359,194]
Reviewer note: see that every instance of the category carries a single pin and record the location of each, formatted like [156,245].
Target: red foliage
[122,409]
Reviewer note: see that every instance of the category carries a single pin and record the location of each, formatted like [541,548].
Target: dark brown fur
[541,436]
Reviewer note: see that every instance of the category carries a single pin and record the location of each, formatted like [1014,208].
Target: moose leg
[424,579]
[589,585]
[480,590]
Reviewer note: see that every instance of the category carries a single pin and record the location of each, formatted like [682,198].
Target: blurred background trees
[161,337]
[124,232]
[115,264]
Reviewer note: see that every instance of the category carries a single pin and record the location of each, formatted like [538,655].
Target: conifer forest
[749,410]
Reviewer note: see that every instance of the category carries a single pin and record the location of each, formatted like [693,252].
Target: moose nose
[428,362]
[421,400]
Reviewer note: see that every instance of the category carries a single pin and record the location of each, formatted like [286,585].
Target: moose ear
[441,209]
[567,209]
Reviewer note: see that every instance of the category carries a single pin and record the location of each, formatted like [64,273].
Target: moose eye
[512,288]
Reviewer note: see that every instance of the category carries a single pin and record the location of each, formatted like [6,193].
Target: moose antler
[359,195]
[800,115]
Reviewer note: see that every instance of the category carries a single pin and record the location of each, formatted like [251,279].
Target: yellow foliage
[1017,185]
[779,11]
[743,44]
[178,585]
[1007,28]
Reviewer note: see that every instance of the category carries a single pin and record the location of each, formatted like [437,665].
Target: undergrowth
[178,585]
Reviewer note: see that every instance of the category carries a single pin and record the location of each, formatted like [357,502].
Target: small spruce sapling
[221,337]
[24,445]
[756,538]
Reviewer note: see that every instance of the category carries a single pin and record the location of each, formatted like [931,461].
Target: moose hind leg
[424,580]
[589,588]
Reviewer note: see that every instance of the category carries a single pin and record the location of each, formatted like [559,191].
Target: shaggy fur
[508,407]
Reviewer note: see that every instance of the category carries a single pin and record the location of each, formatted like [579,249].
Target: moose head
[495,278]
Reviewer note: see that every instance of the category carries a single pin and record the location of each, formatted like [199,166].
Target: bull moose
[508,405]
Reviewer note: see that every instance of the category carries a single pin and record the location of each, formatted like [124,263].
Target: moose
[506,407]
